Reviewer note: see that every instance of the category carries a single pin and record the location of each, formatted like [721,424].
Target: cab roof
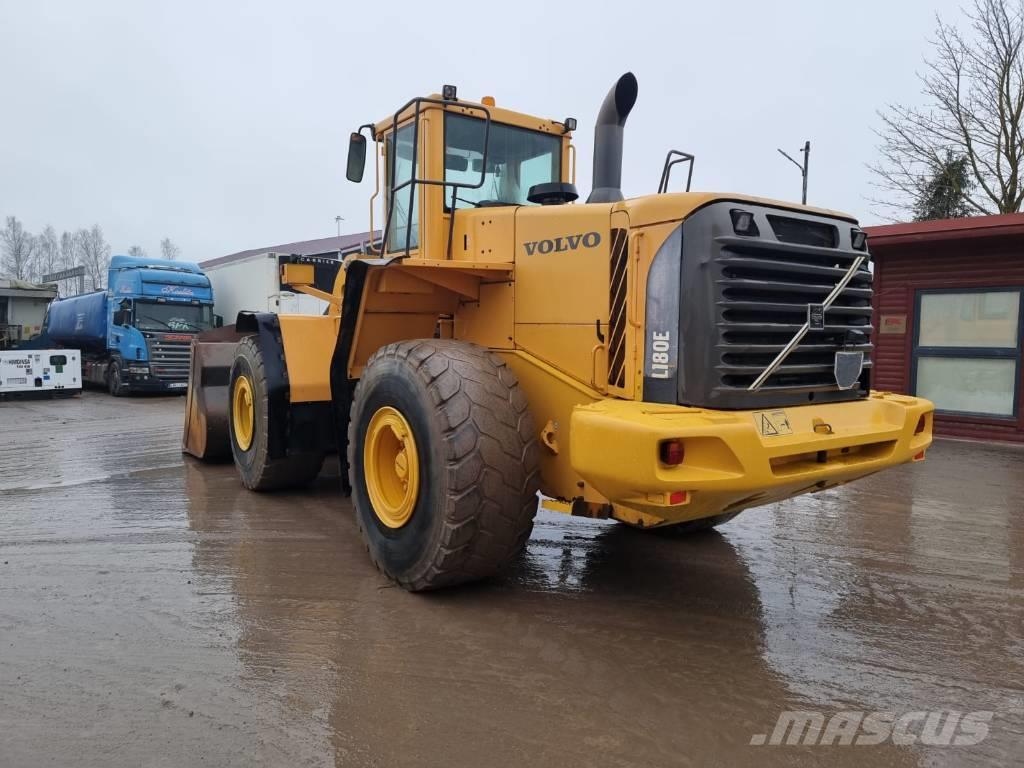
[476,109]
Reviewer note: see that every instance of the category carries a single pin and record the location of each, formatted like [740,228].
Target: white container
[254,284]
[50,371]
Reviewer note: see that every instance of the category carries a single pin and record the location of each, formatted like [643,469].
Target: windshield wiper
[155,320]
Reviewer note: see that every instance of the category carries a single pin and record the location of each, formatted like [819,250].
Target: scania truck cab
[135,336]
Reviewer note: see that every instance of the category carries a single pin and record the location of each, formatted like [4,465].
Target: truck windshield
[172,317]
[517,159]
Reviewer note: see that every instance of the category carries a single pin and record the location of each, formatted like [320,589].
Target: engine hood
[657,209]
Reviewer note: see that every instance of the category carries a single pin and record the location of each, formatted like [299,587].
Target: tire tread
[491,455]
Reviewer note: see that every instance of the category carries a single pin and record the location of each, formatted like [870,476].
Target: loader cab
[440,158]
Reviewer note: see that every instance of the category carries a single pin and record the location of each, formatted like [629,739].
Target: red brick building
[949,320]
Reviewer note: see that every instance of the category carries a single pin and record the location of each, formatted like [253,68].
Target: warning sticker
[772,423]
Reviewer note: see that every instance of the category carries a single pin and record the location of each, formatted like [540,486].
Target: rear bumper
[738,459]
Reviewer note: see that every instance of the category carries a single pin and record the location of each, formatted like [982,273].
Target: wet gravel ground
[153,613]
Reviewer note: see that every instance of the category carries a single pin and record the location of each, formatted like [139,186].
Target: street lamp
[806,152]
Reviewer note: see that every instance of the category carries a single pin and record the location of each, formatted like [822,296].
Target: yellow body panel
[729,464]
[552,396]
[572,349]
[484,234]
[489,320]
[308,347]
[565,277]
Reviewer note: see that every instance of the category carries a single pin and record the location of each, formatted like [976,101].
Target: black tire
[691,527]
[114,384]
[479,462]
[258,471]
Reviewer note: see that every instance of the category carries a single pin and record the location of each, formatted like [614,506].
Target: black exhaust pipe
[611,122]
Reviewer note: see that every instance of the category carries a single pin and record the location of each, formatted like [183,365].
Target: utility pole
[338,220]
[806,152]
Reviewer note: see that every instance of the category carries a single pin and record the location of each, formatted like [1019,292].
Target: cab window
[517,159]
[406,198]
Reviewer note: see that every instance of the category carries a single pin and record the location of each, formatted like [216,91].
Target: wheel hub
[243,416]
[391,467]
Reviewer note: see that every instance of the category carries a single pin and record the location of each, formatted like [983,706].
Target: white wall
[252,284]
[28,312]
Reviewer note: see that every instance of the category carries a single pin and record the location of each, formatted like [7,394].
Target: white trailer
[253,284]
[40,372]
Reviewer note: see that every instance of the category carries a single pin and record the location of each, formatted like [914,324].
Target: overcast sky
[224,125]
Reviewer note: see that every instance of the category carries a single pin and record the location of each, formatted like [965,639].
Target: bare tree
[95,255]
[169,250]
[48,259]
[137,251]
[68,250]
[69,257]
[19,250]
[974,87]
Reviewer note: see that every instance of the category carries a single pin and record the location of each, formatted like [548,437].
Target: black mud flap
[342,387]
[267,329]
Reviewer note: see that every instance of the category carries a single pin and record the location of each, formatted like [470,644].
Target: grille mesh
[763,289]
[169,360]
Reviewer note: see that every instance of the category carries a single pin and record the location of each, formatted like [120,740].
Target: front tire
[114,384]
[443,463]
[248,423]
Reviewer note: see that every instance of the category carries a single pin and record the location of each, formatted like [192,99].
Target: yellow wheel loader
[666,361]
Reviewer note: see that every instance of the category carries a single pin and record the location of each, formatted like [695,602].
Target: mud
[154,613]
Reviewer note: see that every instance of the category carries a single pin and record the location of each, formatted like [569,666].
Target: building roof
[323,246]
[11,286]
[971,228]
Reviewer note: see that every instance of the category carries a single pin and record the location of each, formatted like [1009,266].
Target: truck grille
[763,289]
[169,359]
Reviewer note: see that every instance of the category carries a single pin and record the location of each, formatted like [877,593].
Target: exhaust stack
[611,121]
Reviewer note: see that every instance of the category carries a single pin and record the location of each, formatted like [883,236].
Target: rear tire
[457,503]
[260,472]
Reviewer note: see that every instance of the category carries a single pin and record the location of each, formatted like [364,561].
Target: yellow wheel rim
[391,466]
[243,416]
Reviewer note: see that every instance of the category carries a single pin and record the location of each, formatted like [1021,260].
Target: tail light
[670,452]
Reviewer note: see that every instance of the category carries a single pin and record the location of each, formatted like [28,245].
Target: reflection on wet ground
[152,612]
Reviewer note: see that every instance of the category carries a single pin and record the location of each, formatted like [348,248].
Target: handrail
[673,157]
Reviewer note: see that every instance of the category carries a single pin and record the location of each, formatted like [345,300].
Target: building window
[967,352]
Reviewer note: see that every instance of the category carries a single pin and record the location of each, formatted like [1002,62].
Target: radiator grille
[169,360]
[763,289]
[618,285]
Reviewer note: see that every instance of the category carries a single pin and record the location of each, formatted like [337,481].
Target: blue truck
[136,336]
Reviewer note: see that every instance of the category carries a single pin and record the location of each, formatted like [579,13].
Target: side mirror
[121,317]
[218,321]
[356,157]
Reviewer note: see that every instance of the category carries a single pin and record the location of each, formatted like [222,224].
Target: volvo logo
[565,243]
